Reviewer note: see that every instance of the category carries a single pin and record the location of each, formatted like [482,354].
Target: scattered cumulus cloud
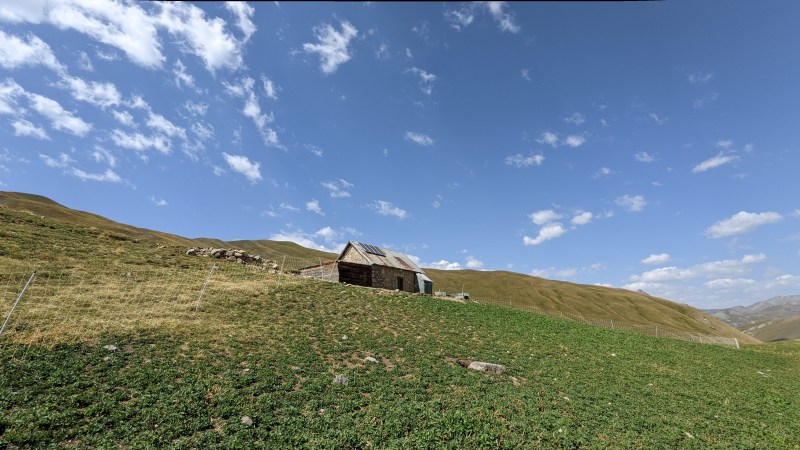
[658,120]
[505,20]
[548,138]
[574,141]
[525,73]
[101,95]
[16,52]
[442,264]
[700,77]
[419,138]
[24,127]
[644,157]
[659,258]
[724,143]
[460,18]
[158,201]
[714,162]
[712,269]
[244,14]
[313,206]
[385,208]
[582,218]
[520,160]
[544,216]
[740,223]
[332,45]
[123,117]
[706,99]
[575,118]
[632,203]
[338,188]
[474,263]
[242,164]
[60,119]
[546,233]
[603,172]
[426,79]
[108,176]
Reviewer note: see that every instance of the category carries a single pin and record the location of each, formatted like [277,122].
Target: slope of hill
[583,300]
[782,307]
[775,330]
[518,289]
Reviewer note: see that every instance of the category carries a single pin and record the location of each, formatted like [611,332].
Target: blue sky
[648,145]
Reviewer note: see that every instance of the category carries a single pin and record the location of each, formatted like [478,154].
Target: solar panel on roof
[372,249]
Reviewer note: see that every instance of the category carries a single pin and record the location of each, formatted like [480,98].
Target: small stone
[487,367]
[247,421]
[344,338]
[341,380]
[370,359]
[111,348]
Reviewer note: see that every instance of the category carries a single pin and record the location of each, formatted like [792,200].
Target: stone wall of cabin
[327,272]
[386,278]
[352,256]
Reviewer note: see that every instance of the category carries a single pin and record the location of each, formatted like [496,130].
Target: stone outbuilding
[368,265]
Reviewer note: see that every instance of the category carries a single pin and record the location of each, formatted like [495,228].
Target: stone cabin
[371,266]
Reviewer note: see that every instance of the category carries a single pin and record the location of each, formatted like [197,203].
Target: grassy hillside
[185,378]
[518,289]
[775,330]
[584,300]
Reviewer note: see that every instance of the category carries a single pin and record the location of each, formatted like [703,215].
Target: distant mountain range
[775,319]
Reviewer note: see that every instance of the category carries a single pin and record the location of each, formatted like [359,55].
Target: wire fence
[79,304]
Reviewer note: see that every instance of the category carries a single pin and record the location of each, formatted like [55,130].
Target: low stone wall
[233,255]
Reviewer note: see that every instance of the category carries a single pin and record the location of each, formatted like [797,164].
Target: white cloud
[23,127]
[714,162]
[16,52]
[660,258]
[729,283]
[603,172]
[123,117]
[137,102]
[385,208]
[313,206]
[461,18]
[474,263]
[84,62]
[418,138]
[160,123]
[548,138]
[60,118]
[98,94]
[705,100]
[383,51]
[519,160]
[724,143]
[10,91]
[242,164]
[740,223]
[656,119]
[196,109]
[338,188]
[140,142]
[244,13]
[181,76]
[582,218]
[425,79]
[63,160]
[700,77]
[107,176]
[327,233]
[100,155]
[443,264]
[544,216]
[574,141]
[307,240]
[270,89]
[332,45]
[504,20]
[713,269]
[252,109]
[206,39]
[158,201]
[124,26]
[525,73]
[575,118]
[546,233]
[633,203]
[288,207]
[644,157]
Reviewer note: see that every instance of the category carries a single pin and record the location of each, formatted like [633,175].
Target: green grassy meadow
[181,378]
